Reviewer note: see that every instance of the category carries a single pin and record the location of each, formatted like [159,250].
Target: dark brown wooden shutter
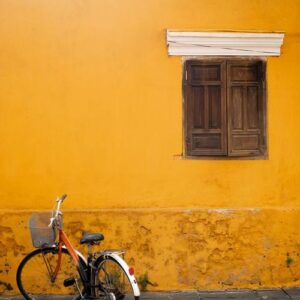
[205,108]
[246,108]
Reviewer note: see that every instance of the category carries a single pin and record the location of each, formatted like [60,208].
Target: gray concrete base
[266,294]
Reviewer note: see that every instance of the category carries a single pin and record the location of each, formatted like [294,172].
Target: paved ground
[280,294]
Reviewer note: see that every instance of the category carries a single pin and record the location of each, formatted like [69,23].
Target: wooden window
[225,108]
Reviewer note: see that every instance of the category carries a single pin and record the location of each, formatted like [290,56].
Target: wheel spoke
[36,281]
[48,266]
[114,280]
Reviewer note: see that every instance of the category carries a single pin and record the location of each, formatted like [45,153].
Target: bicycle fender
[123,264]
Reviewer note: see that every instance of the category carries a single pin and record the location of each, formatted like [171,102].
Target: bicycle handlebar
[57,212]
[62,198]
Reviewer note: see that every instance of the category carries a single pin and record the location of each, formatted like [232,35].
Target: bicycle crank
[72,281]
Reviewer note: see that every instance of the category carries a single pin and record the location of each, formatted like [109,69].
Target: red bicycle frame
[63,240]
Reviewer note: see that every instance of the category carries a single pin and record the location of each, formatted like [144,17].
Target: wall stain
[5,286]
[194,250]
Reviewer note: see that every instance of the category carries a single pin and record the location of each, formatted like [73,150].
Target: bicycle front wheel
[112,281]
[35,276]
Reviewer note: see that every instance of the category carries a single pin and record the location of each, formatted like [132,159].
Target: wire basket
[41,234]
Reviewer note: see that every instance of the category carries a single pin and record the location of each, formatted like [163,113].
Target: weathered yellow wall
[91,105]
[180,249]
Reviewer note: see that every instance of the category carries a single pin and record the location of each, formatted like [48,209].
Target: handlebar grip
[63,197]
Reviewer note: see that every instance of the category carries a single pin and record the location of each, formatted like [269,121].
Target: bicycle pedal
[69,281]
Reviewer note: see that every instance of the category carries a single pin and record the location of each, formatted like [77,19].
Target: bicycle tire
[43,286]
[119,292]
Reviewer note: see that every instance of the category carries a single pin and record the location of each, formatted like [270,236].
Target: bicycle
[57,268]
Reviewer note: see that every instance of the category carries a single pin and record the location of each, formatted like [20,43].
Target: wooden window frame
[226,60]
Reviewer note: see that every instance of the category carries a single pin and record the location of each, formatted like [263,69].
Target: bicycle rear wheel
[113,281]
[35,271]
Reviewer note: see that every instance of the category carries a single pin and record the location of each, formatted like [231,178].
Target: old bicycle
[57,268]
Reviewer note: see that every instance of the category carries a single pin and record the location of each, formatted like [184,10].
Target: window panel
[198,111]
[214,100]
[252,107]
[236,107]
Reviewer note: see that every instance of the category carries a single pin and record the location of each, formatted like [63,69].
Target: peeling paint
[198,250]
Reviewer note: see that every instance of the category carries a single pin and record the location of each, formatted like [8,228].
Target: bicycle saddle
[90,238]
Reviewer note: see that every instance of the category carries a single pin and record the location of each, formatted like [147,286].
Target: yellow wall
[91,105]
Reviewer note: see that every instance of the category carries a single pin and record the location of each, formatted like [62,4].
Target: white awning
[189,43]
